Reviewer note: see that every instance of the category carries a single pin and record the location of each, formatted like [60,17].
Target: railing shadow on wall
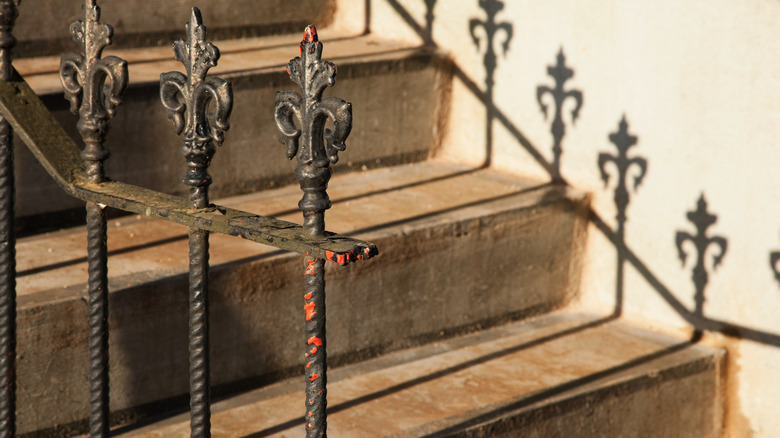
[484,94]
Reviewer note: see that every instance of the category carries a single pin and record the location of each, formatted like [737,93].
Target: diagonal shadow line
[697,321]
[71,262]
[386,190]
[479,94]
[559,389]
[443,211]
[436,375]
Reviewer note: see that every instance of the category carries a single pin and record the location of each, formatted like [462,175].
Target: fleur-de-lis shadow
[560,73]
[315,145]
[491,29]
[187,101]
[623,141]
[774,258]
[702,220]
[93,85]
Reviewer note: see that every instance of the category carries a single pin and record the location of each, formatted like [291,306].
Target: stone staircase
[460,327]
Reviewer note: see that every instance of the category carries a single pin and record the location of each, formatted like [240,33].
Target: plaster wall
[698,82]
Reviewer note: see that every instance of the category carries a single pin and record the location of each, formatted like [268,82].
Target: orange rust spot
[341,259]
[308,365]
[313,350]
[315,340]
[314,377]
[307,296]
[310,267]
[311,414]
[309,307]
[329,255]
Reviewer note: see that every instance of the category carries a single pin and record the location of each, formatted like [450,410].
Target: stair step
[397,93]
[42,26]
[562,375]
[459,249]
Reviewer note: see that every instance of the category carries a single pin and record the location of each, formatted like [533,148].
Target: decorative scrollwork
[301,122]
[187,101]
[93,85]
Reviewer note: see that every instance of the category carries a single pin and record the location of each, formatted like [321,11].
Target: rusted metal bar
[187,100]
[8,14]
[59,155]
[316,148]
[95,86]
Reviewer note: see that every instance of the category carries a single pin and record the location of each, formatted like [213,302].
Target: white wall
[699,83]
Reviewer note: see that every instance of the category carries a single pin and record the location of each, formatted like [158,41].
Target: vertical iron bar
[316,364]
[95,86]
[316,148]
[8,14]
[187,101]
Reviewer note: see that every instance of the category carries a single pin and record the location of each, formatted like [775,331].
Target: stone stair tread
[465,383]
[365,204]
[237,56]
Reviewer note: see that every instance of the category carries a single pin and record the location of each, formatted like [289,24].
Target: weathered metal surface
[187,100]
[58,154]
[301,123]
[95,86]
[8,14]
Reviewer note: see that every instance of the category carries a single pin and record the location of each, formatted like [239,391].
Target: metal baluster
[8,14]
[320,147]
[186,100]
[95,86]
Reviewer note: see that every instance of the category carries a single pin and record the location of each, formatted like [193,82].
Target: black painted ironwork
[491,29]
[623,141]
[187,100]
[316,148]
[560,73]
[8,14]
[95,86]
[702,220]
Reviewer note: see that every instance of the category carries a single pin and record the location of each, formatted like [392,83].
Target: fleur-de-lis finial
[186,100]
[701,220]
[491,28]
[93,85]
[315,145]
[560,73]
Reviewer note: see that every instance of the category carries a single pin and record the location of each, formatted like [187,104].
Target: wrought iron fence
[199,107]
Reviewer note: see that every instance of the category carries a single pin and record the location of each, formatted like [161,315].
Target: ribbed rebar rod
[98,321]
[8,14]
[199,107]
[316,376]
[94,86]
[200,403]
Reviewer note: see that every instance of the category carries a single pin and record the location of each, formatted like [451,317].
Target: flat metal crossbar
[59,155]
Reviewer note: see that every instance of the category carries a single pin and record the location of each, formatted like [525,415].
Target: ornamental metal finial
[8,13]
[94,86]
[315,145]
[702,220]
[560,73]
[186,100]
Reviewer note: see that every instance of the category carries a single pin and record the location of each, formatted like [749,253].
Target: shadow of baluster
[623,140]
[490,60]
[429,17]
[702,220]
[774,258]
[560,73]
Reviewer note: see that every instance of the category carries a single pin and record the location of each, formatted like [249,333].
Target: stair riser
[42,26]
[428,283]
[395,105]
[679,402]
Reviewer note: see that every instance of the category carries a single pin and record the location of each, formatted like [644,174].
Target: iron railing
[199,106]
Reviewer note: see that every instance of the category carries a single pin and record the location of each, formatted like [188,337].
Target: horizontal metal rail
[59,155]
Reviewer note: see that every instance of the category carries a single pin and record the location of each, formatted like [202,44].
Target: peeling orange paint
[309,307]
